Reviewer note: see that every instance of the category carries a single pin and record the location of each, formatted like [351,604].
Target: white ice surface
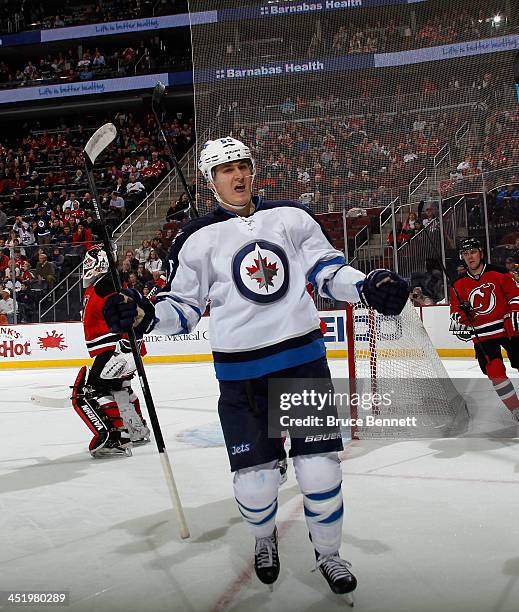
[430,525]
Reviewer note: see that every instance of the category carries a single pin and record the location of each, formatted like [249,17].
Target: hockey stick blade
[158,92]
[104,136]
[51,402]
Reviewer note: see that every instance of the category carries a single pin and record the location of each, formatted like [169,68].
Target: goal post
[394,369]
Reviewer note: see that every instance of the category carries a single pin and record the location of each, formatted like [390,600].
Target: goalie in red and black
[102,396]
[486,301]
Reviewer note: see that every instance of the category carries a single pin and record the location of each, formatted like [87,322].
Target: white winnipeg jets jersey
[253,272]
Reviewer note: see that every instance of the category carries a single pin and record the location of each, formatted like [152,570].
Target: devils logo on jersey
[483,299]
[260,271]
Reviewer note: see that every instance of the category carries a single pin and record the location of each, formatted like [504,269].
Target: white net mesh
[395,356]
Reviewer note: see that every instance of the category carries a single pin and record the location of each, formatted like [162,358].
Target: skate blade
[349,599]
[106,453]
[140,441]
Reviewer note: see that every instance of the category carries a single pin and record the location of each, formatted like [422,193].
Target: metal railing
[413,254]
[461,133]
[148,210]
[416,183]
[68,284]
[418,102]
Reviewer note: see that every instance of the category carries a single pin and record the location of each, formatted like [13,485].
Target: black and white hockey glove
[385,291]
[128,309]
[464,315]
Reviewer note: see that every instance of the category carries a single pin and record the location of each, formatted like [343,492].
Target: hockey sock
[505,390]
[319,478]
[496,371]
[256,491]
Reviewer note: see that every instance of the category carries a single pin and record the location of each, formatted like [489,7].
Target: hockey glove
[384,291]
[460,319]
[511,323]
[465,315]
[128,309]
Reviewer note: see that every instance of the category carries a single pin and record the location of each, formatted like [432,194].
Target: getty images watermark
[309,407]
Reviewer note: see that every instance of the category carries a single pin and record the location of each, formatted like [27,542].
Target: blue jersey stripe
[245,370]
[336,261]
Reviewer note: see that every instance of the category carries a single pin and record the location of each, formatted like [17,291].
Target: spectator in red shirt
[82,236]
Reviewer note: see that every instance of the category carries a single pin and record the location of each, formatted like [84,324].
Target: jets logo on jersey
[483,299]
[260,271]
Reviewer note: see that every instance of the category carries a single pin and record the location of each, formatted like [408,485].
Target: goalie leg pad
[134,400]
[256,492]
[129,407]
[320,478]
[88,412]
[101,416]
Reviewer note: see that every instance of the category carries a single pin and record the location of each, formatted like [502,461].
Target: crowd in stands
[346,162]
[19,15]
[47,218]
[445,28]
[92,64]
[365,32]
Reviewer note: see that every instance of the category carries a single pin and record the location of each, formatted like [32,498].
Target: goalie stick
[51,402]
[156,106]
[102,138]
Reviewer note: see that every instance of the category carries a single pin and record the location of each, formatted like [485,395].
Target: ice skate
[118,443]
[266,559]
[337,573]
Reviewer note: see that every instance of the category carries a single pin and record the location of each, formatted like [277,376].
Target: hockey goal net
[405,387]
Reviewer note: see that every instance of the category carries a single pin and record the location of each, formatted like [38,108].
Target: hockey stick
[453,287]
[156,106]
[51,402]
[94,147]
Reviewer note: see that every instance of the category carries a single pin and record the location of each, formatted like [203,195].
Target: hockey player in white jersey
[252,259]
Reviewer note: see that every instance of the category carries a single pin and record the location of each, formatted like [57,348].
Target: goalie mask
[222,151]
[95,265]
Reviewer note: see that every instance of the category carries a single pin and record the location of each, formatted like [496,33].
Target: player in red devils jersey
[488,302]
[103,397]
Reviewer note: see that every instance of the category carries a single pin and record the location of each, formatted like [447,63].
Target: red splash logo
[52,341]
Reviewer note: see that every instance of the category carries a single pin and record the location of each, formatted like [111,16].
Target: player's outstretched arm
[383,290]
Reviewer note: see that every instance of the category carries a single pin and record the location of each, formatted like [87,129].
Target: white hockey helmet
[222,151]
[95,265]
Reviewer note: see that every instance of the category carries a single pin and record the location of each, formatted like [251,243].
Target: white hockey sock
[319,478]
[256,491]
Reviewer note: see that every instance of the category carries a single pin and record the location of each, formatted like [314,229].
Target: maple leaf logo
[262,271]
[52,340]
